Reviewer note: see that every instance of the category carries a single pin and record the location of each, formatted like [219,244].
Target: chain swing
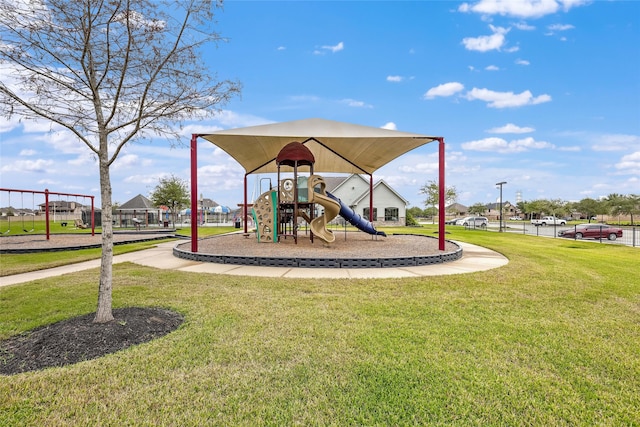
[33,217]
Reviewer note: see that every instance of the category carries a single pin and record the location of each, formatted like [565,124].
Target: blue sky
[542,94]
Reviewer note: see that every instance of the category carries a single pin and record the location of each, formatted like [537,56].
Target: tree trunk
[104,312]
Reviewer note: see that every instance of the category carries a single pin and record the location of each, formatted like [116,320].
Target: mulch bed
[77,339]
[26,243]
[346,245]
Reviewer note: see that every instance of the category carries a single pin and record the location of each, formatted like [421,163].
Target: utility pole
[500,184]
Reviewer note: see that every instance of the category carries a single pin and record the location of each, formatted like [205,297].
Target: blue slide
[356,220]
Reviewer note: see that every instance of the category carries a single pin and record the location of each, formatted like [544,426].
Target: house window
[365,214]
[390,214]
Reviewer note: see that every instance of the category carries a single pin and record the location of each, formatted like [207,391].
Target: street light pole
[500,184]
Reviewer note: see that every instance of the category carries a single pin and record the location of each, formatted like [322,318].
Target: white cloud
[520,8]
[390,126]
[7,125]
[328,48]
[511,128]
[494,144]
[615,142]
[355,103]
[395,79]
[522,62]
[28,152]
[523,26]
[560,27]
[506,99]
[281,48]
[445,89]
[151,180]
[38,166]
[485,43]
[492,68]
[630,163]
[84,159]
[574,148]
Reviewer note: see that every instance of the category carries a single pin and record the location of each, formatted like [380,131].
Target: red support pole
[93,218]
[441,199]
[371,198]
[46,210]
[194,193]
[244,208]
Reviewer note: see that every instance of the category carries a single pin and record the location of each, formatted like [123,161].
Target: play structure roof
[295,152]
[337,146]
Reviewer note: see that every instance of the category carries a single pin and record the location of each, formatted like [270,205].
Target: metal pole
[441,198]
[93,218]
[46,210]
[194,193]
[371,199]
[244,207]
[500,184]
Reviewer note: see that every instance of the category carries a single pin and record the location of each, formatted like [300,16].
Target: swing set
[47,193]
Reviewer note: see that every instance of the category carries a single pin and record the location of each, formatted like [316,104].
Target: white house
[389,207]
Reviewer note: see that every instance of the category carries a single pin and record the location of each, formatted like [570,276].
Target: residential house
[63,208]
[456,210]
[389,207]
[493,210]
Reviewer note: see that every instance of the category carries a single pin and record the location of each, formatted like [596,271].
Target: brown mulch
[75,340]
[346,245]
[74,241]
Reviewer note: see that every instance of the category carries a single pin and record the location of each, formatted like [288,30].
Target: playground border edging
[391,262]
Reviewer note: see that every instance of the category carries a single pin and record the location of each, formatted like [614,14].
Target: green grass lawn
[552,338]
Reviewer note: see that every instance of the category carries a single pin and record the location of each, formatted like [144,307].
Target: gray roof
[137,203]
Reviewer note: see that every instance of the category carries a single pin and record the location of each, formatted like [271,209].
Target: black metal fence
[630,234]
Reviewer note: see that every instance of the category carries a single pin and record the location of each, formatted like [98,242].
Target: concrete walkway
[474,258]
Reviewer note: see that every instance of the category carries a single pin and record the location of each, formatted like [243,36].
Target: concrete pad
[209,267]
[258,271]
[379,273]
[50,272]
[475,258]
[318,273]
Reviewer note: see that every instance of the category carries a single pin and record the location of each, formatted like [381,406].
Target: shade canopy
[337,146]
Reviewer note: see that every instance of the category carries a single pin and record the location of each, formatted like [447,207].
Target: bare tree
[111,72]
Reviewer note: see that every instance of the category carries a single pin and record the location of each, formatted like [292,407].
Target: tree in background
[171,192]
[111,72]
[416,212]
[432,190]
[619,204]
[588,207]
[477,208]
[634,205]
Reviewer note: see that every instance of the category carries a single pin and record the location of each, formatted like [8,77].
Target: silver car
[473,221]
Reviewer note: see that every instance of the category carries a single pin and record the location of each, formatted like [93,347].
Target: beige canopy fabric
[337,146]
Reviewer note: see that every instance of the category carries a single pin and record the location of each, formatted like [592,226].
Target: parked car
[451,221]
[515,218]
[548,220]
[592,231]
[473,221]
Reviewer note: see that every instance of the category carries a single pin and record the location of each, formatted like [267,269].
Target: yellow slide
[331,208]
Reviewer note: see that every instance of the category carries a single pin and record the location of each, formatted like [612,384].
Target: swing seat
[79,224]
